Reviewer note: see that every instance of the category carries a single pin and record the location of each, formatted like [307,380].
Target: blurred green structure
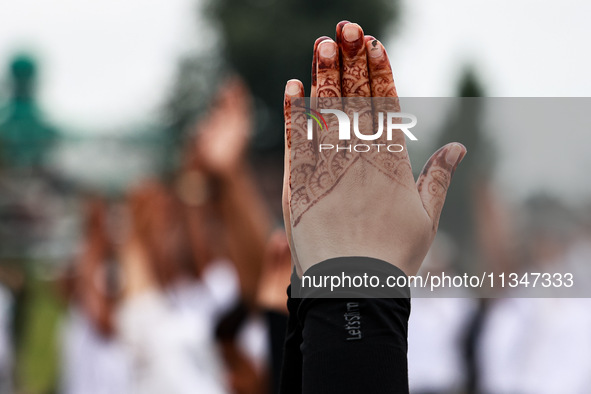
[26,141]
[25,138]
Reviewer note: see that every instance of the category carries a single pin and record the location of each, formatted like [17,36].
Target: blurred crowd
[166,293]
[177,286]
[508,342]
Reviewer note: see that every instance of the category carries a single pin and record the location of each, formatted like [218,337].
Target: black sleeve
[277,324]
[291,370]
[351,344]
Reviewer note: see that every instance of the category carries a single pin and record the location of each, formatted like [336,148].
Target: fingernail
[375,48]
[292,88]
[351,32]
[327,49]
[453,154]
[339,34]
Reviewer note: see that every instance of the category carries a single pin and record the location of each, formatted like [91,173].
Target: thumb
[436,177]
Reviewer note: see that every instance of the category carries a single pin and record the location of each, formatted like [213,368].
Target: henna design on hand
[353,74]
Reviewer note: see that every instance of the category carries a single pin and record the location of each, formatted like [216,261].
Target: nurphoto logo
[387,123]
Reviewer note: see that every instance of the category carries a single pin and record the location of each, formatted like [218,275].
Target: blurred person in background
[540,345]
[229,221]
[93,358]
[272,301]
[437,327]
[6,351]
[192,261]
[170,345]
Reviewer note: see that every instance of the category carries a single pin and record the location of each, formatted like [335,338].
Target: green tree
[465,125]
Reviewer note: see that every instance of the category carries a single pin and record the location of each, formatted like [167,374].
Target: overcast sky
[109,63]
[521,47]
[106,63]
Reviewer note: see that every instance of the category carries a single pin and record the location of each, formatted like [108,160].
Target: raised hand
[225,132]
[220,152]
[346,203]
